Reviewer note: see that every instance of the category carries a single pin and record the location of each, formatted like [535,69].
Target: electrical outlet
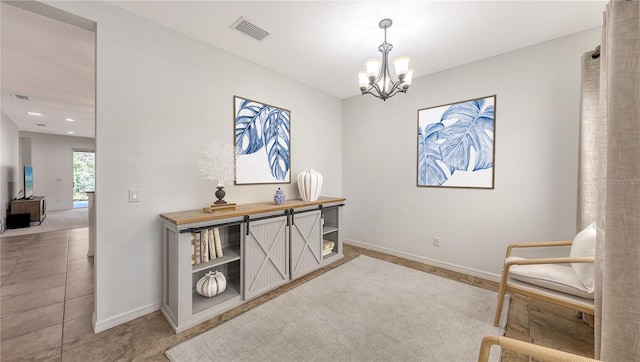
[436,241]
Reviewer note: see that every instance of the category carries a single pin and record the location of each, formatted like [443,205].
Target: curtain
[591,141]
[609,184]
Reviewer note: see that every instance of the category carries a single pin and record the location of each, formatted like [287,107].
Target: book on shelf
[218,242]
[197,244]
[204,246]
[327,247]
[193,248]
[212,244]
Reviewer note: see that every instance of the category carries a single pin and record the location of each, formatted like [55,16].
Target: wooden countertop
[193,216]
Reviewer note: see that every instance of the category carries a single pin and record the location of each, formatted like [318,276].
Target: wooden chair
[546,289]
[539,352]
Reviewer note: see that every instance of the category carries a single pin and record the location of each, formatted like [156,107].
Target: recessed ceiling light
[70,132]
[35,114]
[69,120]
[40,124]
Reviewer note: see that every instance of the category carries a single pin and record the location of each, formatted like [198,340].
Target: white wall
[161,96]
[52,161]
[536,164]
[9,154]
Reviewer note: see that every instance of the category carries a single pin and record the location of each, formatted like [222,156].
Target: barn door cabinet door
[306,242]
[266,255]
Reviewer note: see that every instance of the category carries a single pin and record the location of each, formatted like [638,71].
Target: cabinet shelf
[329,256]
[231,253]
[232,291]
[326,229]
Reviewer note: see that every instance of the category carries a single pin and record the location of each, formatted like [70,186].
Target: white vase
[211,284]
[207,286]
[309,184]
[221,281]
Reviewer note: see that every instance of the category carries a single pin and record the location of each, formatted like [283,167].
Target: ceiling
[320,43]
[52,63]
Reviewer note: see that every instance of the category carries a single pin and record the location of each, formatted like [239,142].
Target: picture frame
[262,142]
[456,144]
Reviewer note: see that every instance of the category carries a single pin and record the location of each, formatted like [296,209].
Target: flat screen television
[28,182]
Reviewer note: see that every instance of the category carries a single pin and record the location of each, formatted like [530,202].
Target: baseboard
[422,259]
[99,326]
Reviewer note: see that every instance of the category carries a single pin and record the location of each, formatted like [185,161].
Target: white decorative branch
[219,163]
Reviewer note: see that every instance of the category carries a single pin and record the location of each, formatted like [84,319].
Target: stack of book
[205,245]
[327,247]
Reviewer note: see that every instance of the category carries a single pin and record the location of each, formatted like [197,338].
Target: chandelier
[376,80]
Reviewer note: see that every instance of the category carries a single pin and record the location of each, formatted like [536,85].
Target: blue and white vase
[278,197]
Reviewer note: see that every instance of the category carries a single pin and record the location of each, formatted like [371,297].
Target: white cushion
[584,244]
[558,277]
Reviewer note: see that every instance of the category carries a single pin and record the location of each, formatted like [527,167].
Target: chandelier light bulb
[407,79]
[402,66]
[373,68]
[363,80]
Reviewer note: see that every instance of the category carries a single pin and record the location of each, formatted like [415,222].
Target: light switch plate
[134,195]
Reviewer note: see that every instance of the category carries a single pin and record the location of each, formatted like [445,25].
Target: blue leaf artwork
[456,144]
[262,142]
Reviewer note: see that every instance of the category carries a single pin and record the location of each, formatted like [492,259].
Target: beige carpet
[364,310]
[55,220]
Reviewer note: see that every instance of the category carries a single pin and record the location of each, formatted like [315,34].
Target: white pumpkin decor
[309,184]
[211,284]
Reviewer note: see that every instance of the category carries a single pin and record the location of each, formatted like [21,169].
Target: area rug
[363,310]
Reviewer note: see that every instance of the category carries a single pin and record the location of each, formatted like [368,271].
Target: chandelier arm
[380,93]
[373,90]
[369,92]
[397,90]
[396,87]
[375,86]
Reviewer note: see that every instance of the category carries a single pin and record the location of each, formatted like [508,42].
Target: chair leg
[501,290]
[496,320]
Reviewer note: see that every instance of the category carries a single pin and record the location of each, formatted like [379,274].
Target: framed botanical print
[262,142]
[456,144]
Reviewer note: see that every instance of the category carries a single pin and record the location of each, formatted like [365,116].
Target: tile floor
[46,307]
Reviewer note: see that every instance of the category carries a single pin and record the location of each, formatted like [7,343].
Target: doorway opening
[84,177]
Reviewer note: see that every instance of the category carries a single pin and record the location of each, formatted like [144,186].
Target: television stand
[35,206]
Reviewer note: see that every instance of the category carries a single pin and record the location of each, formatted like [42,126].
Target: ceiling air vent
[22,98]
[246,27]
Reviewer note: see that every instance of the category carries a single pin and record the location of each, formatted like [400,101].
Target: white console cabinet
[264,246]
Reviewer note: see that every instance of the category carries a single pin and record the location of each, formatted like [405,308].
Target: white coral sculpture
[219,163]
